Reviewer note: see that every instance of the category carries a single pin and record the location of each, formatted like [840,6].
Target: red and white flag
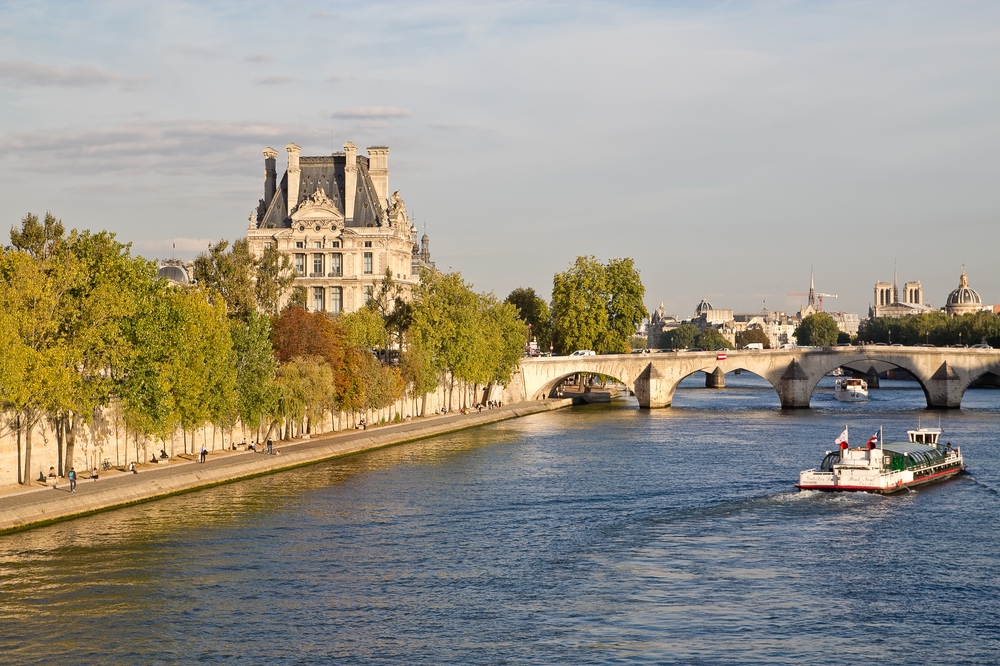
[873,441]
[721,356]
[842,440]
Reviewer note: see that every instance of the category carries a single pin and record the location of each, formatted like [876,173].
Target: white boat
[849,389]
[885,467]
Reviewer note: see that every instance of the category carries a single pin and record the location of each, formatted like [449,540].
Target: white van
[584,352]
[755,346]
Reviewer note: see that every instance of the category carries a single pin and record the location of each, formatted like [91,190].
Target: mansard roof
[326,173]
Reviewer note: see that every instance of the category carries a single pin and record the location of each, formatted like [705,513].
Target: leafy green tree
[365,328]
[817,330]
[256,391]
[246,283]
[625,306]
[711,338]
[750,336]
[579,306]
[535,312]
[682,337]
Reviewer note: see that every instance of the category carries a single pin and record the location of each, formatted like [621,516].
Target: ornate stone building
[963,300]
[334,218]
[889,304]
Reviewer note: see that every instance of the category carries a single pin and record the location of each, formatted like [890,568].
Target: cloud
[259,57]
[372,112]
[23,74]
[198,52]
[170,244]
[276,80]
[175,147]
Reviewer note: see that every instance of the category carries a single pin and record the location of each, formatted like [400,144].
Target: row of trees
[935,328]
[594,306]
[90,333]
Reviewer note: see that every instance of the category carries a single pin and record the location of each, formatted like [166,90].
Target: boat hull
[850,396]
[885,485]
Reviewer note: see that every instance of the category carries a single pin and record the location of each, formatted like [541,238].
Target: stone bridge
[943,373]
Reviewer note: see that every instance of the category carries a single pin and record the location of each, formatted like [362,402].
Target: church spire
[895,285]
[812,289]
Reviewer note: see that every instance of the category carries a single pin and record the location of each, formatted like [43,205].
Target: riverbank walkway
[22,507]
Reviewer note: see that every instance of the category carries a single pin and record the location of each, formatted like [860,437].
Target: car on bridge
[584,352]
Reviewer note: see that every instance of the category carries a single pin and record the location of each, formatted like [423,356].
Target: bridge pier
[653,390]
[715,379]
[944,389]
[871,377]
[795,387]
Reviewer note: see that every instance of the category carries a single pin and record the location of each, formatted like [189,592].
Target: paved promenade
[24,508]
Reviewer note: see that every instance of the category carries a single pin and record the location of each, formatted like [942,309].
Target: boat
[885,467]
[849,389]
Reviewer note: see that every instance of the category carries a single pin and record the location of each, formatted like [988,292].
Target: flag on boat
[842,440]
[873,440]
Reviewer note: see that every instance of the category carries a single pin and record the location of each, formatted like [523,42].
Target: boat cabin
[924,435]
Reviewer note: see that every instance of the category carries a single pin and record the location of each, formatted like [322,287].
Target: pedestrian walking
[204,453]
[72,480]
[270,447]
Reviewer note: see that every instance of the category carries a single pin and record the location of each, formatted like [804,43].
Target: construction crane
[813,296]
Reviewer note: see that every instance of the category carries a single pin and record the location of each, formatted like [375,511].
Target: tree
[626,309]
[752,335]
[256,391]
[817,330]
[681,337]
[711,338]
[246,283]
[365,328]
[535,312]
[579,306]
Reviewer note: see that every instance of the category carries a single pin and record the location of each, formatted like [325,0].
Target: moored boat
[885,467]
[850,389]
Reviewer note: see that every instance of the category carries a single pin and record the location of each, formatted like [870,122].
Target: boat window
[829,461]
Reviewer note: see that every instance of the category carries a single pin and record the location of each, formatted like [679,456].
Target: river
[591,535]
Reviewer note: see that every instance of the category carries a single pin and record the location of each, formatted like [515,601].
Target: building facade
[334,218]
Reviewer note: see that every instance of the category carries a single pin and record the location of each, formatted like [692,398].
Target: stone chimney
[270,175]
[294,173]
[378,169]
[350,179]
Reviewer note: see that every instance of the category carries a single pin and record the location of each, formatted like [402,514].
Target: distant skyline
[726,147]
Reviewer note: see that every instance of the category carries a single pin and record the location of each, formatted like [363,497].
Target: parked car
[982,345]
[924,344]
[584,352]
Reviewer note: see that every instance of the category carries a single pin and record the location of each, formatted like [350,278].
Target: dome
[964,299]
[704,306]
[174,273]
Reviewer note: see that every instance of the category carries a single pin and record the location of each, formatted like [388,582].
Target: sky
[727,147]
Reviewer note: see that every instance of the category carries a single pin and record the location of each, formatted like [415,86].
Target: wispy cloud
[259,57]
[372,112]
[163,146]
[276,80]
[199,52]
[23,74]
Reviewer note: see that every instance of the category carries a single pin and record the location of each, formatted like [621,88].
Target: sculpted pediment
[317,207]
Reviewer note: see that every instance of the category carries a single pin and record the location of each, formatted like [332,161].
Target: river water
[591,535]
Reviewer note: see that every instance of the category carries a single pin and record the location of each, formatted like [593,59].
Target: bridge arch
[990,370]
[873,361]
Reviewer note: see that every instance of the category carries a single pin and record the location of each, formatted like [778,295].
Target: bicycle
[106,465]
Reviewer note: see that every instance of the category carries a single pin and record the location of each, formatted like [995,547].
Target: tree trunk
[59,445]
[27,452]
[71,421]
[17,425]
